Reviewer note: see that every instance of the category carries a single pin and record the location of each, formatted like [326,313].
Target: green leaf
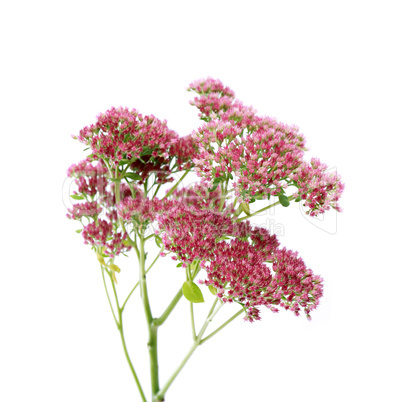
[100,259]
[230,176]
[284,200]
[146,152]
[124,162]
[245,208]
[179,264]
[114,267]
[215,184]
[79,230]
[158,241]
[77,197]
[192,292]
[213,290]
[114,180]
[133,176]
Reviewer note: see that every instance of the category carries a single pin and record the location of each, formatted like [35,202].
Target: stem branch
[210,316]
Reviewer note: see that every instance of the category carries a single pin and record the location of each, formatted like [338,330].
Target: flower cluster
[319,189]
[238,260]
[99,208]
[90,179]
[87,169]
[293,284]
[263,156]
[141,211]
[120,133]
[87,209]
[201,198]
[184,149]
[102,235]
[192,233]
[239,273]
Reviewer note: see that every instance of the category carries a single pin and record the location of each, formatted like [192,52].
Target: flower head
[192,233]
[320,190]
[142,211]
[120,133]
[102,235]
[201,198]
[262,156]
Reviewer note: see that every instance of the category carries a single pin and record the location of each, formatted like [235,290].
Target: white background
[328,67]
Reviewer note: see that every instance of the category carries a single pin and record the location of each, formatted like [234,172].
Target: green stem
[212,313]
[222,326]
[223,196]
[120,328]
[136,285]
[117,198]
[156,191]
[175,185]
[152,329]
[159,321]
[261,210]
[107,295]
[192,322]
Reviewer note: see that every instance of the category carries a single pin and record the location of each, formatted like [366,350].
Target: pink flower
[85,168]
[294,285]
[185,150]
[90,179]
[319,189]
[263,157]
[87,209]
[102,229]
[125,134]
[210,85]
[243,263]
[200,197]
[141,211]
[101,234]
[192,233]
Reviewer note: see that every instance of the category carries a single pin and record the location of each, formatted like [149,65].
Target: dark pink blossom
[192,233]
[240,273]
[294,286]
[185,149]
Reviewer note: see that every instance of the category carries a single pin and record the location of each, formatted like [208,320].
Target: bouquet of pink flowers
[240,158]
